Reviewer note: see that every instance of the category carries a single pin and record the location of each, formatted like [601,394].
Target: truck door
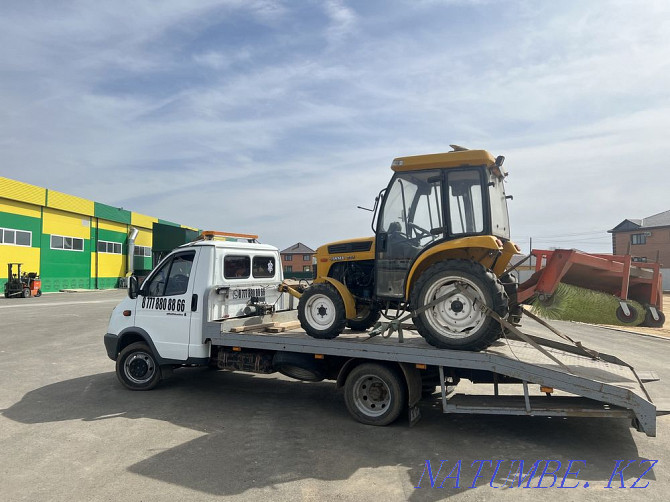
[164,305]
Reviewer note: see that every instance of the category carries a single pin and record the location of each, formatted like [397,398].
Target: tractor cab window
[412,213]
[466,204]
[499,216]
[411,219]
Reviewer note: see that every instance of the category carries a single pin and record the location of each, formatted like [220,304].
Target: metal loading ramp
[604,387]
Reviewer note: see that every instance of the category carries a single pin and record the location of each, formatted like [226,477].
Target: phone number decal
[167,304]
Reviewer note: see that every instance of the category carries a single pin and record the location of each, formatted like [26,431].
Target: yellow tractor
[440,251]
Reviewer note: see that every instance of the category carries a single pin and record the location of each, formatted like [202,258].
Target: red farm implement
[614,275]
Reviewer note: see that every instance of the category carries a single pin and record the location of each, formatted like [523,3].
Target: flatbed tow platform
[572,383]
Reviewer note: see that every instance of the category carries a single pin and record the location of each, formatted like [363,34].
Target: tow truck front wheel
[321,311]
[136,367]
[459,322]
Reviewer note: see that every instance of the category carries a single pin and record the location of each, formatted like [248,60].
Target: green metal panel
[61,269]
[112,213]
[165,222]
[166,237]
[112,236]
[21,222]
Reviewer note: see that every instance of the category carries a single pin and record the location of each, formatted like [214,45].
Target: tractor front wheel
[321,311]
[459,322]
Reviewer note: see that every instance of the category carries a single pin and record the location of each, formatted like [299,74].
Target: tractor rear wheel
[321,311]
[458,322]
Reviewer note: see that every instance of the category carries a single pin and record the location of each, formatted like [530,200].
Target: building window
[288,268]
[142,251]
[306,268]
[306,257]
[109,247]
[13,237]
[67,243]
[640,259]
[638,239]
[287,257]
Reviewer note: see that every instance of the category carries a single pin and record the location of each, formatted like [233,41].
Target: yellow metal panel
[111,265]
[112,226]
[68,224]
[140,220]
[482,249]
[144,238]
[28,257]
[59,200]
[15,207]
[16,190]
[444,160]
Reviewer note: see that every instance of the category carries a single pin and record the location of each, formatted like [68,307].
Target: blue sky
[280,117]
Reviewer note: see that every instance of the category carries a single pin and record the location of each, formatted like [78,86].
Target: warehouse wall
[24,218]
[71,242]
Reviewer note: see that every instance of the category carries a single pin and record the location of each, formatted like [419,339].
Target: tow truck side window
[236,267]
[172,277]
[264,267]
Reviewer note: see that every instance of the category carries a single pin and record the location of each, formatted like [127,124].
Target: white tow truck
[212,302]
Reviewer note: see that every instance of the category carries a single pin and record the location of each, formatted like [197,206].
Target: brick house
[646,240]
[297,261]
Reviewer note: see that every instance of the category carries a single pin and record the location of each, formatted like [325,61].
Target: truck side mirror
[133,287]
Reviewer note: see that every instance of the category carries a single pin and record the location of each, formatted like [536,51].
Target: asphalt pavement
[70,431]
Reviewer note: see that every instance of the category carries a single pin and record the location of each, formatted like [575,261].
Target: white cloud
[196,109]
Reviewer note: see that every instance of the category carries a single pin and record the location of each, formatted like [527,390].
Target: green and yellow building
[71,242]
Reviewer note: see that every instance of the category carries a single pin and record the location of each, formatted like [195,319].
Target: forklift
[22,284]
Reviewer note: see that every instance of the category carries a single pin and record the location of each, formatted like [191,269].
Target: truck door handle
[194,303]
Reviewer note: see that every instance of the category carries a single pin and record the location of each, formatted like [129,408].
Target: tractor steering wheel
[420,231]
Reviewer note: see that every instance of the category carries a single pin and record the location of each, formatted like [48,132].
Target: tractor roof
[457,158]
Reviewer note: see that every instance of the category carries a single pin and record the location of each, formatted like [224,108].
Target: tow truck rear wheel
[458,322]
[321,311]
[375,394]
[136,367]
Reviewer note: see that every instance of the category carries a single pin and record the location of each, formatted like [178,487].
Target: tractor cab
[433,199]
[21,284]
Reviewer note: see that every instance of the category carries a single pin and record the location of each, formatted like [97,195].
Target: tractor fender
[347,297]
[482,248]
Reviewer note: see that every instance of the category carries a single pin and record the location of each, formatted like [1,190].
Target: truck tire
[321,311]
[137,368]
[458,323]
[369,318]
[375,394]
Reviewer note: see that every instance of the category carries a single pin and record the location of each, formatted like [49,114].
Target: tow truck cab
[199,282]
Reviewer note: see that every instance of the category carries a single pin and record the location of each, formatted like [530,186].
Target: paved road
[69,431]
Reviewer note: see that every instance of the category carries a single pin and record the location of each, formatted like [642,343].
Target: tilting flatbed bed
[603,387]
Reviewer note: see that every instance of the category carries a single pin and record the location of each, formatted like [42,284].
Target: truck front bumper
[111,344]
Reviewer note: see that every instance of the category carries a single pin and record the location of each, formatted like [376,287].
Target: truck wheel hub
[140,367]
